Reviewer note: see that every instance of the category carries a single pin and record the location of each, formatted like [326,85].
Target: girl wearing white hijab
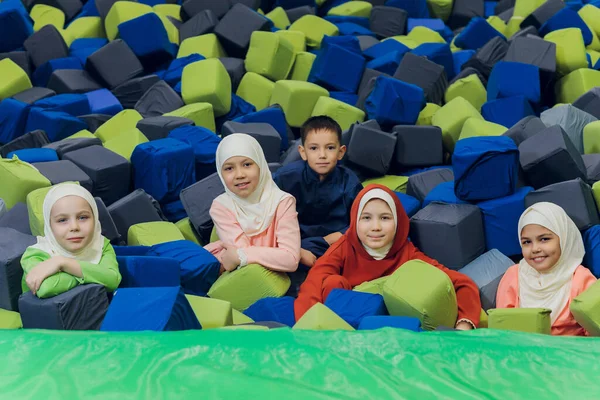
[72,250]
[550,274]
[256,222]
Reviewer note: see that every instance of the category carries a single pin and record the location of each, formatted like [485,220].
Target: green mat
[296,364]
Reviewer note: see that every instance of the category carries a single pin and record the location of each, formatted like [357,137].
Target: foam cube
[19,179]
[353,306]
[570,49]
[81,308]
[10,320]
[426,74]
[532,320]
[201,113]
[419,185]
[314,28]
[195,87]
[418,146]
[84,28]
[270,55]
[265,134]
[584,308]
[206,45]
[256,90]
[443,193]
[64,171]
[514,79]
[451,118]
[218,8]
[476,34]
[588,102]
[257,283]
[393,102]
[45,45]
[15,28]
[426,114]
[486,57]
[507,111]
[148,39]
[13,119]
[34,139]
[123,121]
[197,200]
[388,21]
[550,157]
[379,321]
[571,119]
[464,11]
[151,233]
[475,127]
[418,290]
[574,196]
[17,220]
[122,12]
[297,99]
[200,24]
[109,171]
[160,99]
[524,129]
[337,68]
[34,94]
[211,313]
[452,234]
[159,127]
[56,124]
[344,114]
[187,230]
[150,309]
[136,207]
[204,144]
[371,149]
[276,309]
[148,272]
[320,317]
[72,81]
[14,79]
[101,64]
[125,144]
[130,92]
[12,245]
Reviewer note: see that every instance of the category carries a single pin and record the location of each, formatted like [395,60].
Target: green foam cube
[570,50]
[591,138]
[352,9]
[586,309]
[343,113]
[575,84]
[420,290]
[240,318]
[207,45]
[320,318]
[207,81]
[43,15]
[532,320]
[84,28]
[302,66]
[201,113]
[256,90]
[393,182]
[121,122]
[126,142]
[375,286]
[84,133]
[297,99]
[245,286]
[296,38]
[469,88]
[123,11]
[451,118]
[13,79]
[315,29]
[270,55]
[440,8]
[151,233]
[187,230]
[426,114]
[212,313]
[279,18]
[18,179]
[474,127]
[10,319]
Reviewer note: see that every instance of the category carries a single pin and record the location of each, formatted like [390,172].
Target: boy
[324,191]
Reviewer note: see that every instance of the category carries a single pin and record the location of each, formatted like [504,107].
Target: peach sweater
[277,248]
[565,324]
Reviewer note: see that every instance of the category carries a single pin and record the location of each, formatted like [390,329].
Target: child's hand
[332,238]
[230,259]
[307,258]
[464,326]
[43,270]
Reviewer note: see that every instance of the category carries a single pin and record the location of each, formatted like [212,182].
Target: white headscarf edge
[378,254]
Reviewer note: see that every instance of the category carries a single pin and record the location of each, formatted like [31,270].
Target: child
[72,251]
[375,245]
[255,220]
[323,189]
[550,274]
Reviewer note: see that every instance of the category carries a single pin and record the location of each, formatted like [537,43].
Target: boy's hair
[320,122]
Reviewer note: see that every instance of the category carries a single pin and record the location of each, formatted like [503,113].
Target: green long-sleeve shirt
[105,273]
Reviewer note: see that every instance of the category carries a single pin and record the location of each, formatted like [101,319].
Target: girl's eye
[84,217]
[60,221]
[524,242]
[545,239]
[366,218]
[248,165]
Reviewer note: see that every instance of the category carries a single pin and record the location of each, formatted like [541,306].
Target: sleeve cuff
[466,320]
[243,258]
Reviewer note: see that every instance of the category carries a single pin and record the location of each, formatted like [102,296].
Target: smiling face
[540,247]
[72,222]
[322,151]
[241,175]
[376,227]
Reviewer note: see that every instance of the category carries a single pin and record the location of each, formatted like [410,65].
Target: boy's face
[72,222]
[322,150]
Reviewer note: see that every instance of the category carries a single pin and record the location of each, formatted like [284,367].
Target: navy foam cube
[173,73]
[414,8]
[507,111]
[485,168]
[271,115]
[393,102]
[353,306]
[410,204]
[388,321]
[13,119]
[385,47]
[204,144]
[149,309]
[443,193]
[72,104]
[199,268]
[277,309]
[510,79]
[148,39]
[58,125]
[567,18]
[388,63]
[42,74]
[439,53]
[15,27]
[476,34]
[591,241]
[137,271]
[501,219]
[163,168]
[337,68]
[459,58]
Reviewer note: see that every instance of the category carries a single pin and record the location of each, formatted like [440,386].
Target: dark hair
[320,122]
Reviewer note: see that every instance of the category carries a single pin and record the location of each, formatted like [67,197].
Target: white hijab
[93,251]
[254,213]
[550,289]
[378,254]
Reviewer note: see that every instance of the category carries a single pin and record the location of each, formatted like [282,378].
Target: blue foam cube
[346,97]
[388,321]
[42,74]
[388,63]
[591,241]
[102,101]
[414,8]
[58,125]
[510,79]
[567,18]
[439,53]
[70,103]
[443,193]
[34,155]
[13,119]
[385,47]
[353,306]
[337,68]
[476,34]
[139,271]
[148,39]
[271,115]
[410,204]
[393,102]
[507,111]
[277,309]
[15,27]
[173,73]
[204,144]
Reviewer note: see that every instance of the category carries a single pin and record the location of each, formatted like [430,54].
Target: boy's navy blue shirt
[323,207]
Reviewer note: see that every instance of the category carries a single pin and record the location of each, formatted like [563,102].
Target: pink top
[277,248]
[565,324]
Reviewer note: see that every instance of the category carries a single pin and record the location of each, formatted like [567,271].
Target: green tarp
[286,364]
